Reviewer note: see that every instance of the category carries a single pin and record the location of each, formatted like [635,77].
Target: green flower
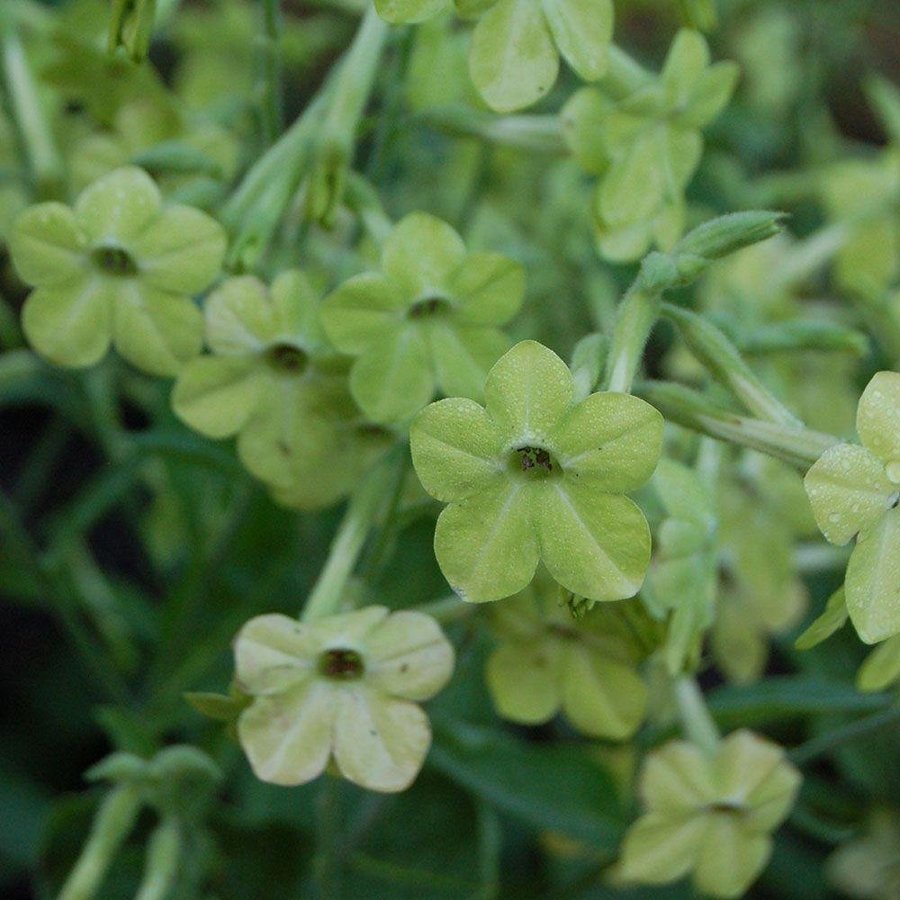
[534,476]
[119,268]
[548,661]
[710,816]
[855,491]
[345,686]
[428,322]
[868,867]
[646,146]
[273,380]
[516,45]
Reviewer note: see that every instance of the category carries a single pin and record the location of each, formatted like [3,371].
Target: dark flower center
[535,462]
[429,307]
[115,261]
[341,665]
[287,358]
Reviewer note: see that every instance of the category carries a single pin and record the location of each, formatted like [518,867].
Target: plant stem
[362,511]
[269,87]
[161,867]
[447,609]
[113,823]
[325,864]
[799,446]
[695,716]
[533,133]
[635,320]
[824,743]
[43,158]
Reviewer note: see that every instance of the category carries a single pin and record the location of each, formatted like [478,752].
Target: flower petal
[878,417]
[393,379]
[273,652]
[379,743]
[217,395]
[489,289]
[46,245]
[288,737]
[156,331]
[523,679]
[595,545]
[610,441]
[486,545]
[528,391]
[582,29]
[408,656]
[512,59]
[296,307]
[181,250]
[455,449]
[239,316]
[602,697]
[730,858]
[362,312]
[658,849]
[421,254]
[848,491]
[70,325]
[676,779]
[872,587]
[118,206]
[463,356]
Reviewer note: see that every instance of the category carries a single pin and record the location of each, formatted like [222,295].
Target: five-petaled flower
[536,476]
[428,321]
[345,686]
[712,815]
[855,491]
[120,268]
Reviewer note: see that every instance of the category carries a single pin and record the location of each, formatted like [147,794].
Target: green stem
[112,825]
[328,820]
[695,715]
[362,511]
[825,743]
[43,158]
[637,315]
[533,133]
[447,609]
[269,88]
[161,866]
[800,447]
[625,75]
[490,841]
[336,140]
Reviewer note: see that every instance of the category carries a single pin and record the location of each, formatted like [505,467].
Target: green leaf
[582,30]
[834,617]
[512,59]
[786,697]
[873,580]
[550,787]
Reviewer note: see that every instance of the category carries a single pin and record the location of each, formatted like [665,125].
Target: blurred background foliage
[132,550]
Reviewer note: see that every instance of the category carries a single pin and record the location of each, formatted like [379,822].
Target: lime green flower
[273,380]
[516,45]
[710,816]
[548,661]
[428,322]
[646,146]
[119,268]
[345,686]
[534,475]
[868,867]
[855,491]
